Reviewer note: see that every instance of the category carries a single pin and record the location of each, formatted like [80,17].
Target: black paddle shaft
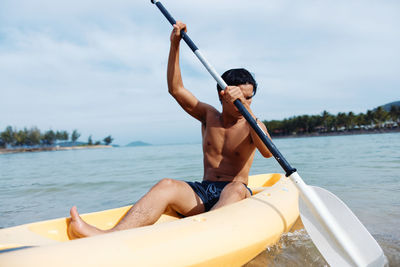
[239,105]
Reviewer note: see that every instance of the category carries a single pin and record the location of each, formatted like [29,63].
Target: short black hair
[238,77]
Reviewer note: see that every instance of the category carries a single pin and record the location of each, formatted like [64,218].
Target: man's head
[238,77]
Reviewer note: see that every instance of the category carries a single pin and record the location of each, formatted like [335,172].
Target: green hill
[138,143]
[389,105]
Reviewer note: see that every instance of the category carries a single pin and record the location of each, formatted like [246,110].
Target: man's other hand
[176,32]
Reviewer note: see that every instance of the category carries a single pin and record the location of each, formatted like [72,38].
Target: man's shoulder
[211,110]
[212,116]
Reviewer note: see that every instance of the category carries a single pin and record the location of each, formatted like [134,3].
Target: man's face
[247,90]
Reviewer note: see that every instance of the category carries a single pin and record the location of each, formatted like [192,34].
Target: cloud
[100,66]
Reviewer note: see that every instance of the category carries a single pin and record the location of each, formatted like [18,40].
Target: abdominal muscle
[227,169]
[228,151]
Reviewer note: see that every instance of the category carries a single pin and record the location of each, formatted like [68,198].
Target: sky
[100,66]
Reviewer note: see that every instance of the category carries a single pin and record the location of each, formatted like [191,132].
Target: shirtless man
[229,145]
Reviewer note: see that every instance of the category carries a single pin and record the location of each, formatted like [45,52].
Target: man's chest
[231,141]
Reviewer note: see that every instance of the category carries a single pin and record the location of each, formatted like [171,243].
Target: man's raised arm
[185,98]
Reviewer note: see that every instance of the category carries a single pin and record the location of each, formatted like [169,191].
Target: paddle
[340,237]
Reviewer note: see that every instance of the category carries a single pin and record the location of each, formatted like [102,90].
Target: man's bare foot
[79,228]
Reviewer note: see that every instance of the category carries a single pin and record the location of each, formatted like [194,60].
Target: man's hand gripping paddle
[337,233]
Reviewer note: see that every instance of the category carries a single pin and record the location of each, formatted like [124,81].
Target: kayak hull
[229,236]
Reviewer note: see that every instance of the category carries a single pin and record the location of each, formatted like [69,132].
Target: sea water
[362,170]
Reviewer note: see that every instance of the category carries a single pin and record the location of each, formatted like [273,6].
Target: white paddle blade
[370,251]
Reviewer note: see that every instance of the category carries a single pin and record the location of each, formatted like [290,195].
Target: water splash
[293,249]
[297,249]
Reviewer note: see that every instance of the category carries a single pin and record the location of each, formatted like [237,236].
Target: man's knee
[166,184]
[166,190]
[236,189]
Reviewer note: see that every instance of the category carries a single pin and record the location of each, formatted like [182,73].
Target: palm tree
[90,141]
[49,137]
[108,140]
[394,113]
[75,136]
[380,115]
[369,117]
[341,120]
[8,136]
[350,121]
[21,137]
[360,120]
[34,136]
[326,117]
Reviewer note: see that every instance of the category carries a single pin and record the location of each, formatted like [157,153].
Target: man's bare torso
[228,150]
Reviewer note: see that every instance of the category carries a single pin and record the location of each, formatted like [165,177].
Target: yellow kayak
[229,236]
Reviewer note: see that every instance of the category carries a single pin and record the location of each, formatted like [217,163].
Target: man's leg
[232,193]
[168,192]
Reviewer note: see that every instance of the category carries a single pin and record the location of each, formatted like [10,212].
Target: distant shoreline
[55,148]
[342,133]
[354,132]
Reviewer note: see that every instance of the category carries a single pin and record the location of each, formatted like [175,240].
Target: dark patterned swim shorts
[209,191]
